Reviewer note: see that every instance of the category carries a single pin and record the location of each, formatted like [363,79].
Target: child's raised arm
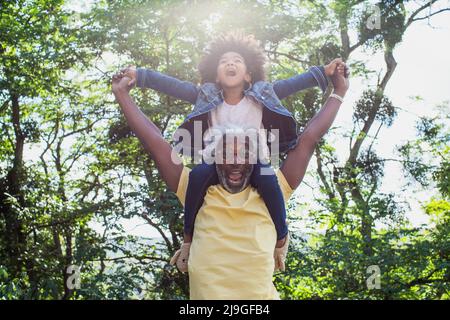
[146,78]
[315,76]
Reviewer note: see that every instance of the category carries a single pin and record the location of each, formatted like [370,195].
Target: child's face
[232,71]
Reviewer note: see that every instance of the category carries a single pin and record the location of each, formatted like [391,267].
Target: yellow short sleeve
[284,186]
[183,184]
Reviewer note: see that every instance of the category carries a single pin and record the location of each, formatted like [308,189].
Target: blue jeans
[204,175]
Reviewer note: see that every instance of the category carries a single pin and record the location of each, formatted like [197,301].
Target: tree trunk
[15,238]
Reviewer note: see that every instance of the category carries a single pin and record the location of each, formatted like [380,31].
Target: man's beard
[234,189]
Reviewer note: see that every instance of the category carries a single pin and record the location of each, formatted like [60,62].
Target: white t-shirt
[247,114]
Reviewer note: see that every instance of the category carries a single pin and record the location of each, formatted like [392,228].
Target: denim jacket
[208,96]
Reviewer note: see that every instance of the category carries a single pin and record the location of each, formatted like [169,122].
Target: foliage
[71,170]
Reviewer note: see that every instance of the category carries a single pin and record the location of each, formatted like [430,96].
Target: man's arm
[315,76]
[148,133]
[297,160]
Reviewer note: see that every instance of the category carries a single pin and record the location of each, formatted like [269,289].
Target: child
[234,90]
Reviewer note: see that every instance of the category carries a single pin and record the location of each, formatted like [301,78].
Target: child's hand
[329,68]
[129,72]
[340,79]
[120,84]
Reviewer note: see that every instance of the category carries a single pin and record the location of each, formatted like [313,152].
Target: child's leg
[269,189]
[201,178]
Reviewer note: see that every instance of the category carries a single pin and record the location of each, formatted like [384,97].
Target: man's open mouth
[235,177]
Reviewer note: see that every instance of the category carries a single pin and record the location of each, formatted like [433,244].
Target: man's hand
[340,79]
[130,72]
[120,84]
[331,67]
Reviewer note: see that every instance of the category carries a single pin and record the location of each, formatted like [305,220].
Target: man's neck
[233,95]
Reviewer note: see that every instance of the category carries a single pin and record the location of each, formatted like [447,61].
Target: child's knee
[203,170]
[265,170]
[265,182]
[202,176]
[269,180]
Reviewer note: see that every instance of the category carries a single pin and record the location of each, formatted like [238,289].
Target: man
[231,256]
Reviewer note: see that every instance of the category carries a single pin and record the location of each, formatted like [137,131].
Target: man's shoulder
[182,184]
[284,185]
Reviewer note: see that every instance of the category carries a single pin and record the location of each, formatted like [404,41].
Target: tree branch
[4,105]
[432,14]
[139,258]
[415,13]
[158,228]
[330,192]
[287,55]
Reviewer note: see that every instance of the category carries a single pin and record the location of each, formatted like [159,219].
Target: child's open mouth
[231,73]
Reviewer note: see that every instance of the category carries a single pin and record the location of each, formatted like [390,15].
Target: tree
[87,168]
[353,202]
[38,218]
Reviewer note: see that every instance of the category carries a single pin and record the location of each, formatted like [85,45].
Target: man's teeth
[235,176]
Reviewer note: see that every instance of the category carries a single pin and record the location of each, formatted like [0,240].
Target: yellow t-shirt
[231,255]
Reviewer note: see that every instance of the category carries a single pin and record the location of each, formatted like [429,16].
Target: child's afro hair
[246,45]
